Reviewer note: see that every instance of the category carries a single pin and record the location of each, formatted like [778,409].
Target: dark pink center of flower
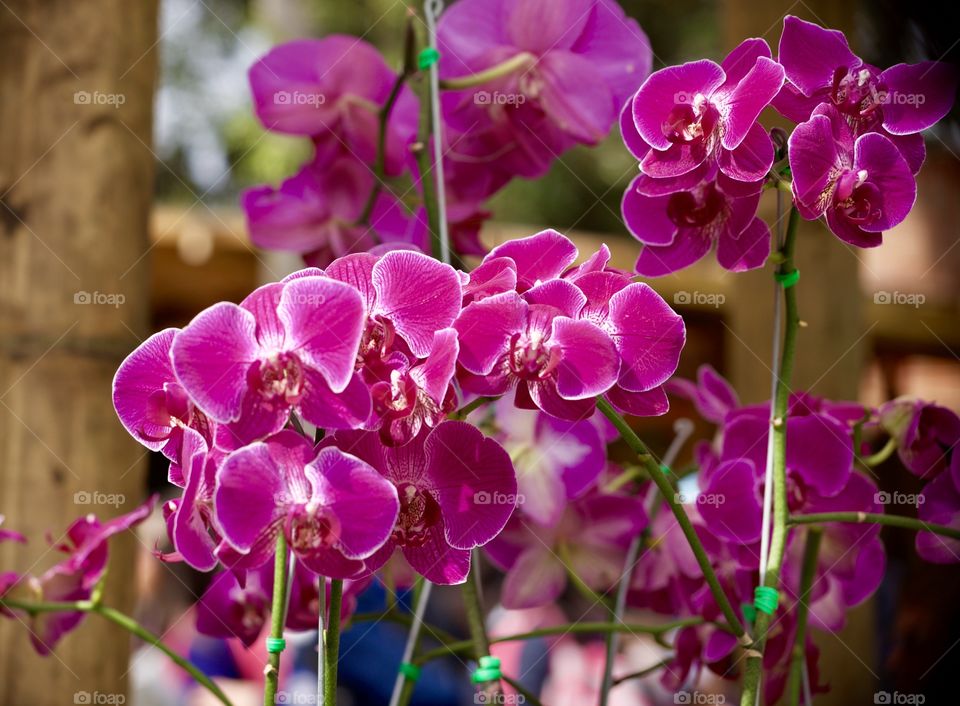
[859,95]
[310,528]
[531,357]
[279,377]
[418,513]
[378,337]
[857,199]
[692,119]
[697,208]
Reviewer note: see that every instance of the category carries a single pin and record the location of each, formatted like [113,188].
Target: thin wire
[412,637]
[432,10]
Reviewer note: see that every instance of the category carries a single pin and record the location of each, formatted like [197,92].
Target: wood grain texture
[76,182]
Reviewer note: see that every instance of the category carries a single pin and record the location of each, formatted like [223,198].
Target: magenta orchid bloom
[577,62]
[73,579]
[231,608]
[702,111]
[646,332]
[678,225]
[408,351]
[191,523]
[333,508]
[289,345]
[940,504]
[552,360]
[565,334]
[151,404]
[898,102]
[315,213]
[555,460]
[592,535]
[332,89]
[457,490]
[711,394]
[863,186]
[926,434]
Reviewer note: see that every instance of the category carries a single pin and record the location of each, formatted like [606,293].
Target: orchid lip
[419,512]
[279,377]
[310,528]
[532,358]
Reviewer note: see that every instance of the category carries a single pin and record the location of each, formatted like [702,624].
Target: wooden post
[76,182]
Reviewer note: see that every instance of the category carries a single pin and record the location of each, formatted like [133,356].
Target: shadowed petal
[474,483]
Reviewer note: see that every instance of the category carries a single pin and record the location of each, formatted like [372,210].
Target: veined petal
[324,320]
[211,357]
[418,294]
[538,257]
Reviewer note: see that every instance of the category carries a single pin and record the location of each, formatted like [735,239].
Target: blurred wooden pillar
[831,347]
[76,181]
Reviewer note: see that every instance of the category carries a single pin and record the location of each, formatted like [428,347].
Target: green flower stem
[778,538]
[668,493]
[425,166]
[529,696]
[478,631]
[464,411]
[521,61]
[125,622]
[811,551]
[332,642]
[379,167]
[881,455]
[640,674]
[278,615]
[592,628]
[910,523]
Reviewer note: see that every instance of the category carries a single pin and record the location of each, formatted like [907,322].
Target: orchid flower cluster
[382,415]
[705,159]
[524,82]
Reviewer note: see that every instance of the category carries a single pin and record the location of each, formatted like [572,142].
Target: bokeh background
[139,199]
